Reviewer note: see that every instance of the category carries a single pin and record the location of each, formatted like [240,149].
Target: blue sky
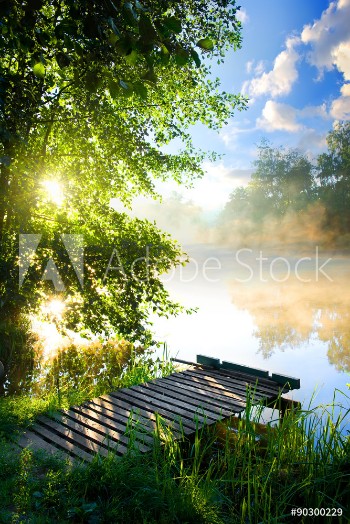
[294,66]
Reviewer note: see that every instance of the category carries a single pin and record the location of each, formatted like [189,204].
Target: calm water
[284,312]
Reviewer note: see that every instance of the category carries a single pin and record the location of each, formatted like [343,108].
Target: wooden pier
[204,393]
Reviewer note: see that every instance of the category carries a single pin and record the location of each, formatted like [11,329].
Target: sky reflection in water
[267,313]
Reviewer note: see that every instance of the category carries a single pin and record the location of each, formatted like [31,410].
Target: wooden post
[283,405]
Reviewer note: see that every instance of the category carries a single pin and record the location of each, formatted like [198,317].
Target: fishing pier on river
[203,393]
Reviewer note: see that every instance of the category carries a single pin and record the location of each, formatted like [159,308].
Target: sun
[54,308]
[54,191]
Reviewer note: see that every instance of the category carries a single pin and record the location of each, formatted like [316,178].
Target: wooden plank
[108,423]
[152,400]
[238,375]
[184,401]
[180,400]
[225,364]
[231,401]
[109,406]
[257,372]
[237,384]
[66,444]
[184,409]
[209,388]
[208,361]
[120,421]
[192,395]
[248,370]
[294,383]
[106,432]
[30,440]
[245,377]
[92,433]
[240,390]
[122,411]
[76,434]
[110,402]
[140,401]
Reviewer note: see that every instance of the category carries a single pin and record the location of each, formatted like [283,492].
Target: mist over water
[276,309]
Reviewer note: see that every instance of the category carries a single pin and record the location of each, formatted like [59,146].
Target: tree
[283,180]
[90,92]
[282,185]
[333,173]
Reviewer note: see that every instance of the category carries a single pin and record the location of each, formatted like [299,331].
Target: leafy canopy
[90,92]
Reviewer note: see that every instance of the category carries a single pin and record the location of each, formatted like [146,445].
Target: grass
[19,411]
[232,473]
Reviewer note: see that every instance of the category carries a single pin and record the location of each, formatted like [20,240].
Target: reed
[238,471]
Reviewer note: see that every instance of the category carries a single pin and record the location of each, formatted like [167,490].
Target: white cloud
[312,142]
[345,90]
[231,133]
[259,68]
[242,16]
[228,175]
[279,117]
[340,109]
[249,66]
[341,57]
[314,111]
[280,79]
[329,38]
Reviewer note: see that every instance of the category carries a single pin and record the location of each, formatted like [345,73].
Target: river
[287,312]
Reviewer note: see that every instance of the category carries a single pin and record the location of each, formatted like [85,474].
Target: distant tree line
[287,181]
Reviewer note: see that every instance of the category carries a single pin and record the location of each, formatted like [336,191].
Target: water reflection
[30,369]
[291,313]
[20,354]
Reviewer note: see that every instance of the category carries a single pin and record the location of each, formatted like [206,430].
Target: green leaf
[149,76]
[113,38]
[132,57]
[164,54]
[129,13]
[62,60]
[181,60]
[173,24]
[195,57]
[141,90]
[206,43]
[147,30]
[181,56]
[114,88]
[92,81]
[127,89]
[124,46]
[39,70]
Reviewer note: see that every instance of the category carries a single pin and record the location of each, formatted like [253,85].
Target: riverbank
[224,475]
